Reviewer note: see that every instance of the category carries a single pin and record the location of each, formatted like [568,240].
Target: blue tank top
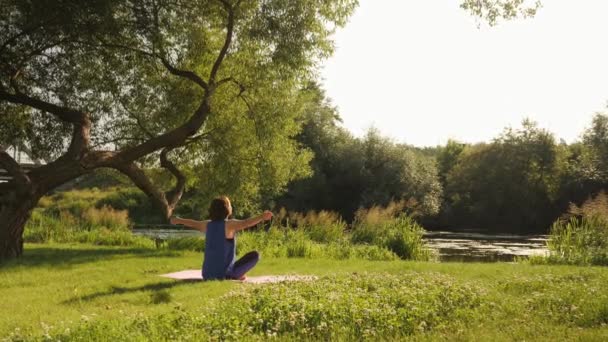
[220,253]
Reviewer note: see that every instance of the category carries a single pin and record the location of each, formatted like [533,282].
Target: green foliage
[581,241]
[100,293]
[160,297]
[132,200]
[186,244]
[297,243]
[350,172]
[387,228]
[215,81]
[362,306]
[572,299]
[92,201]
[322,226]
[580,237]
[447,158]
[510,184]
[493,11]
[72,217]
[99,227]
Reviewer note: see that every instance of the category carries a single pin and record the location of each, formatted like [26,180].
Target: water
[477,247]
[164,234]
[451,246]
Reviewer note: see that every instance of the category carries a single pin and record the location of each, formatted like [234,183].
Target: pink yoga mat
[196,275]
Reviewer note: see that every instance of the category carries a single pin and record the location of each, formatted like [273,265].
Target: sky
[423,72]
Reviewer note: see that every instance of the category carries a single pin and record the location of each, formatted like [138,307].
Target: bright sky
[422,71]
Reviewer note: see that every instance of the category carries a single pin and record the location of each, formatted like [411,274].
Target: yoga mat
[196,275]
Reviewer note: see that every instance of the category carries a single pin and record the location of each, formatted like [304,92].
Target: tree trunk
[13,217]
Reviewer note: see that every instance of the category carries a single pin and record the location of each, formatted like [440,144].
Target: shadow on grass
[65,256]
[117,290]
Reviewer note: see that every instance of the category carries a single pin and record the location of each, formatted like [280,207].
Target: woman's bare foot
[243,278]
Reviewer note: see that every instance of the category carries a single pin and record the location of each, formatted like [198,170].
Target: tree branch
[172,70]
[25,32]
[227,41]
[139,178]
[63,113]
[113,141]
[185,74]
[79,119]
[137,120]
[171,139]
[15,170]
[174,195]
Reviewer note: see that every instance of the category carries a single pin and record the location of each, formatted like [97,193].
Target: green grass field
[84,292]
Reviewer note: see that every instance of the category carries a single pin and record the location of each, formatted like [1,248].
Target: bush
[400,234]
[106,217]
[581,241]
[99,227]
[106,237]
[322,226]
[580,237]
[139,207]
[289,243]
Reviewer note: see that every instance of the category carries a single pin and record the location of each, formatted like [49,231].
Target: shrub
[399,234]
[596,207]
[580,236]
[580,241]
[322,226]
[289,243]
[106,217]
[134,201]
[64,228]
[106,237]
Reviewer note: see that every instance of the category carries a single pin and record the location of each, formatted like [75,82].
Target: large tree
[119,83]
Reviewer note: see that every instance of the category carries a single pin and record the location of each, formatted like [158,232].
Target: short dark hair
[220,209]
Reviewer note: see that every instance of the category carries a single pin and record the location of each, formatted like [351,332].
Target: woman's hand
[174,220]
[267,215]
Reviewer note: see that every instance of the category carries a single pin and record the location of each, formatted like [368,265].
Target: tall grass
[581,235]
[106,217]
[290,243]
[390,228]
[581,240]
[103,226]
[103,217]
[323,226]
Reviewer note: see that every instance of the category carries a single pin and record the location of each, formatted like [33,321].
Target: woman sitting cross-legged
[220,241]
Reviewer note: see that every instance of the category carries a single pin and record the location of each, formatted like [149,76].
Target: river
[450,246]
[478,247]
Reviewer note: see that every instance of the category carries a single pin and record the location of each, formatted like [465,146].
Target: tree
[118,84]
[510,184]
[350,172]
[447,158]
[595,142]
[493,11]
[586,168]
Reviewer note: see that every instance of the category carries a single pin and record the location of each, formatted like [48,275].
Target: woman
[220,241]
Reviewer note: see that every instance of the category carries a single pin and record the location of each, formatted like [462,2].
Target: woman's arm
[236,225]
[198,225]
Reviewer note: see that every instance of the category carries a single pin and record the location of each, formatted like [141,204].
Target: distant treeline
[520,182]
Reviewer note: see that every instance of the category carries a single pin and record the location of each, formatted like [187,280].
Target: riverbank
[100,293]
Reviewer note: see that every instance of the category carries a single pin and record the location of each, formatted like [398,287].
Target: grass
[85,292]
[580,237]
[64,218]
